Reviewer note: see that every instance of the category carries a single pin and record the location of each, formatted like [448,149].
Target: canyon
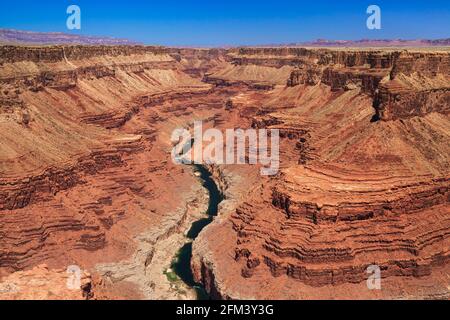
[86,176]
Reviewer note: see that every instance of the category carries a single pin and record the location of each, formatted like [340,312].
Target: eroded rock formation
[86,176]
[353,191]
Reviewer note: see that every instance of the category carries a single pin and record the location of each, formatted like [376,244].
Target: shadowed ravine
[182,265]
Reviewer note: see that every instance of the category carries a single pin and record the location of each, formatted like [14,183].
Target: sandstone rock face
[72,171]
[352,192]
[86,176]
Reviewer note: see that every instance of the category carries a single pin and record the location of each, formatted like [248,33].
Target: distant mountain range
[366,43]
[8,36]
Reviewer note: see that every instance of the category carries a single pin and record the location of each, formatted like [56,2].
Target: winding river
[182,265]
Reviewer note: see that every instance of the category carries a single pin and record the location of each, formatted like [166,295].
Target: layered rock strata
[352,192]
[68,176]
[86,176]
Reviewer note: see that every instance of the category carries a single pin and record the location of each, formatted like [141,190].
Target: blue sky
[231,22]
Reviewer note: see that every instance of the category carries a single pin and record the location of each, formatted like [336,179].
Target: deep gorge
[86,176]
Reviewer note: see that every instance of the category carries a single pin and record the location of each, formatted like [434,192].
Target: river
[182,265]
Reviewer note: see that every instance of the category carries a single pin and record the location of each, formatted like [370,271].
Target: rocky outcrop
[12,54]
[419,84]
[395,101]
[351,192]
[348,58]
[427,64]
[298,247]
[16,194]
[408,198]
[380,74]
[307,75]
[348,79]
